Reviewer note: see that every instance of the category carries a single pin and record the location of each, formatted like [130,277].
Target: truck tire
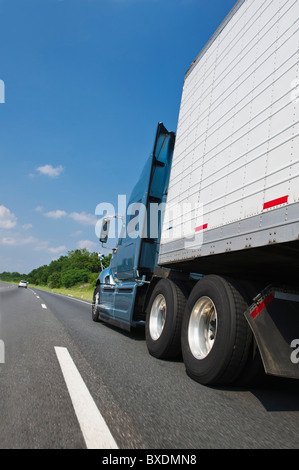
[215,334]
[95,302]
[164,319]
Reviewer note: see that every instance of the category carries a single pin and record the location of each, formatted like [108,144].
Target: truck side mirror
[105,231]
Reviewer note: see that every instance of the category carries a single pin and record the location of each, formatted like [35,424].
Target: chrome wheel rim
[202,328]
[157,317]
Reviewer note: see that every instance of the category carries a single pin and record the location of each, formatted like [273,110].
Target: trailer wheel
[95,302]
[164,318]
[215,333]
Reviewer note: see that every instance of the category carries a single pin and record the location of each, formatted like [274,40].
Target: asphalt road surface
[69,383]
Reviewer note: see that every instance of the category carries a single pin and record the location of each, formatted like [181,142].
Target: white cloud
[83,218]
[7,218]
[39,209]
[77,233]
[57,250]
[56,214]
[50,171]
[27,226]
[16,240]
[44,246]
[88,244]
[40,245]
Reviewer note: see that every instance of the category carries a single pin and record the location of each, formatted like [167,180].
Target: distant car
[23,284]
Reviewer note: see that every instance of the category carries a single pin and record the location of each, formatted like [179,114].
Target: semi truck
[207,258]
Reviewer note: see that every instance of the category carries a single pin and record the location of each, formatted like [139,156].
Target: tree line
[77,267]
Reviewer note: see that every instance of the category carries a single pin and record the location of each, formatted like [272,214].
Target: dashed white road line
[93,426]
[44,306]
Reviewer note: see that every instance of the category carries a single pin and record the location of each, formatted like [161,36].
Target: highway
[69,383]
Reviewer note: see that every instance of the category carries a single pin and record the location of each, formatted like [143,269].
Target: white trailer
[236,153]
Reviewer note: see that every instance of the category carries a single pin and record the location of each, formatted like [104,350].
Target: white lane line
[44,306]
[92,424]
[71,297]
[37,297]
[78,300]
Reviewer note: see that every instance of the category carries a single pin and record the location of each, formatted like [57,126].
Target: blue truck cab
[122,288]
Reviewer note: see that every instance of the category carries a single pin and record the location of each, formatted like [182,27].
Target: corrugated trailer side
[233,197]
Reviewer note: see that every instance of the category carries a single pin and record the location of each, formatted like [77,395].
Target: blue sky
[86,83]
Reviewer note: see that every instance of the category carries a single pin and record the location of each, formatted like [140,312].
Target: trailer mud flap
[274,320]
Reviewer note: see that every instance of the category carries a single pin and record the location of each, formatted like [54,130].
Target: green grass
[84,291]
